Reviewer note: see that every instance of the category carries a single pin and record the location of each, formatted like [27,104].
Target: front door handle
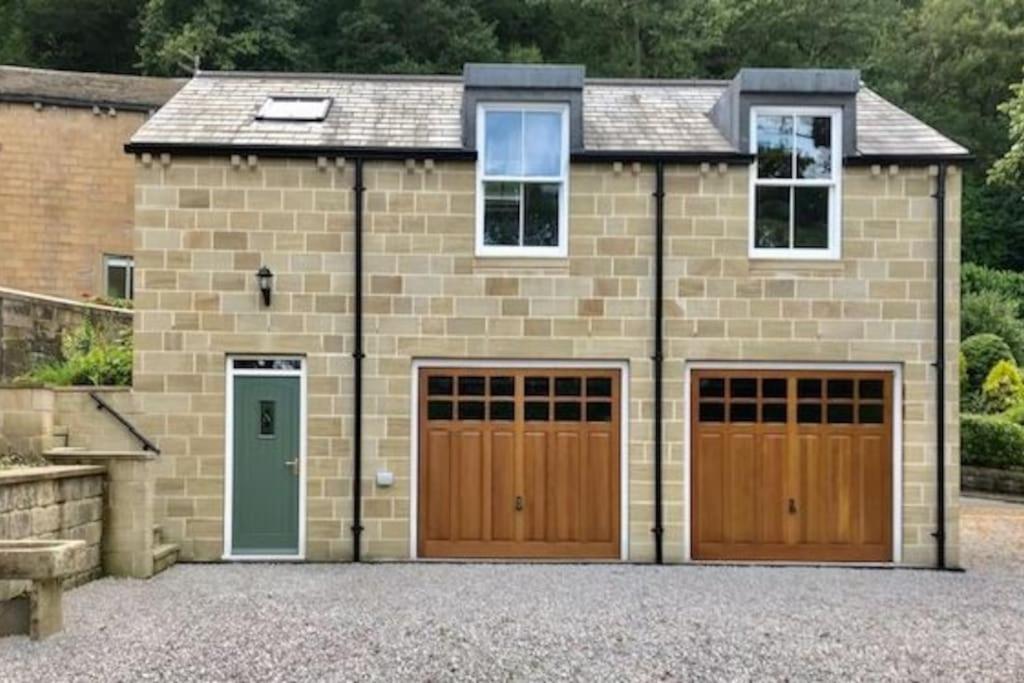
[519,502]
[792,506]
[294,464]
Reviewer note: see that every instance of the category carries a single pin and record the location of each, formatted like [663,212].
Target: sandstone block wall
[64,502]
[204,228]
[66,188]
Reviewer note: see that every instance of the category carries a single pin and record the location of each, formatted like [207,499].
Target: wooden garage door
[792,465]
[519,463]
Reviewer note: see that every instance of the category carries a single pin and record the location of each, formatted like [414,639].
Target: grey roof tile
[20,83]
[424,112]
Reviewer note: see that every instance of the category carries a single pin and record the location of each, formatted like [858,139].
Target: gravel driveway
[521,622]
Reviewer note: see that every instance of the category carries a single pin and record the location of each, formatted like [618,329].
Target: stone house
[66,187]
[527,314]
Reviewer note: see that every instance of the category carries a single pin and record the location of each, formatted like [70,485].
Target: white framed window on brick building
[795,182]
[118,272]
[522,180]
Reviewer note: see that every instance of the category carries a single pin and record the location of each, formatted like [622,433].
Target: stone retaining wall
[63,502]
[990,480]
[32,325]
[31,417]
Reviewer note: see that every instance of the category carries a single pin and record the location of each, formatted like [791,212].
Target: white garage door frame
[897,434]
[414,428]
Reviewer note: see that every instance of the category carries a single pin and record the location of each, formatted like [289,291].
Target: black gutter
[906,159]
[357,370]
[71,102]
[658,358]
[940,367]
[681,157]
[292,151]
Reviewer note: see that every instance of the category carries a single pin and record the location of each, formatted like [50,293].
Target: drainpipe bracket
[359,355]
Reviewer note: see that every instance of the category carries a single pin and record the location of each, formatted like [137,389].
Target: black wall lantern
[265,278]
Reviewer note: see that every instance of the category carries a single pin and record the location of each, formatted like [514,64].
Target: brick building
[66,187]
[525,314]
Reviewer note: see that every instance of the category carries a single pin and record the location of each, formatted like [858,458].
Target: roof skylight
[294,109]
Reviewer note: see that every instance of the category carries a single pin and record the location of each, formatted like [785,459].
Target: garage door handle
[792,506]
[519,502]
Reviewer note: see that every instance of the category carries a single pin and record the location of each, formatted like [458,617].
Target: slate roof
[84,89]
[217,109]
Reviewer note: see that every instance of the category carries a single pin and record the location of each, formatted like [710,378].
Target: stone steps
[165,555]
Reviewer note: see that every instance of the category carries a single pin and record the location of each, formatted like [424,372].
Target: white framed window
[795,182]
[522,180]
[118,272]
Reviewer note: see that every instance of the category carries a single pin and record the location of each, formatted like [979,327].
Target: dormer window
[795,182]
[522,179]
[294,109]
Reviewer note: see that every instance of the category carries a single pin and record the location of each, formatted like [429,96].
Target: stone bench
[45,563]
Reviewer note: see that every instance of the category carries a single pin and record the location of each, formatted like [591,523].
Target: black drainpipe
[658,358]
[357,357]
[940,366]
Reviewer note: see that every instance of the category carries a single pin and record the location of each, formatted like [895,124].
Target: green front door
[265,491]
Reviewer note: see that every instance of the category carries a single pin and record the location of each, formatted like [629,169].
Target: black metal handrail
[147,445]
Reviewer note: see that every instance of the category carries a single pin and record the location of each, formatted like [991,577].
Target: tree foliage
[84,35]
[219,34]
[949,62]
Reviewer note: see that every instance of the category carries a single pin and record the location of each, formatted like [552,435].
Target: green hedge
[981,353]
[991,441]
[989,311]
[975,279]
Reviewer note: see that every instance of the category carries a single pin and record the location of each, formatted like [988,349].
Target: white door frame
[229,419]
[897,435]
[620,365]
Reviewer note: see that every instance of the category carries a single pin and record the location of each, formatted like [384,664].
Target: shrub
[1003,388]
[1015,414]
[91,357]
[991,441]
[983,312]
[980,354]
[975,279]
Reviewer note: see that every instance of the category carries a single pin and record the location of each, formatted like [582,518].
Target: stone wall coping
[18,475]
[86,454]
[81,389]
[8,293]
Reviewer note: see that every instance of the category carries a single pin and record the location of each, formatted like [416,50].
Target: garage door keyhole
[519,502]
[792,506]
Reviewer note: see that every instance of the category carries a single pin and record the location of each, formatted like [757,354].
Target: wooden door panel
[513,482]
[537,472]
[598,493]
[438,486]
[808,477]
[709,480]
[740,488]
[503,486]
[771,489]
[469,478]
[563,488]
